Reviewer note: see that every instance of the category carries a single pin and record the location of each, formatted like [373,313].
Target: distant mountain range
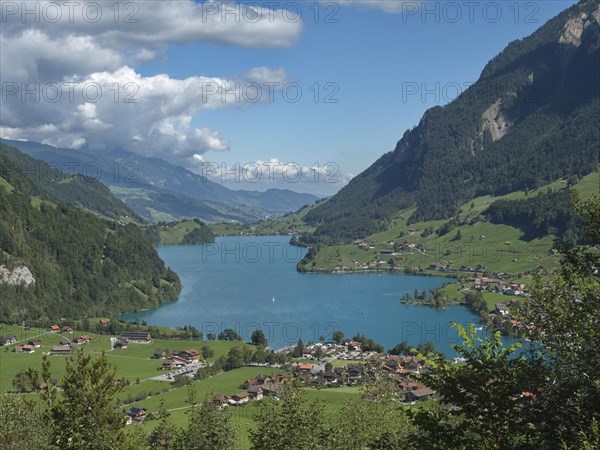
[159,191]
[531,118]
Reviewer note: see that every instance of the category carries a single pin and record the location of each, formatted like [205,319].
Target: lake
[247,283]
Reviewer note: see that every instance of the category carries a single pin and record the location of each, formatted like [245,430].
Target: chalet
[67,329]
[167,364]
[330,376]
[10,339]
[419,395]
[35,343]
[305,368]
[53,329]
[121,343]
[190,354]
[339,370]
[137,336]
[255,392]
[61,350]
[65,342]
[180,362]
[251,382]
[138,414]
[262,379]
[27,349]
[353,345]
[386,251]
[221,400]
[502,309]
[436,266]
[407,386]
[239,399]
[104,322]
[273,389]
[159,353]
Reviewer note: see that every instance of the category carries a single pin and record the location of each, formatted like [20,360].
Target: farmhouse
[419,395]
[121,343]
[34,343]
[137,336]
[61,350]
[138,414]
[239,399]
[255,392]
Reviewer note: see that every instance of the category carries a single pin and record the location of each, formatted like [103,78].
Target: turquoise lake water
[247,283]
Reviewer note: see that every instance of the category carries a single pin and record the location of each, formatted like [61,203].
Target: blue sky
[364,54]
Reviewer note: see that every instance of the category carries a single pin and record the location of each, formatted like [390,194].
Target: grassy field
[500,248]
[131,363]
[175,234]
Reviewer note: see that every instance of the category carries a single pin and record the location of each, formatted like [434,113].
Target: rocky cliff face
[19,275]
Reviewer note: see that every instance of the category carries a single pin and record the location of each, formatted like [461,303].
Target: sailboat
[273,299]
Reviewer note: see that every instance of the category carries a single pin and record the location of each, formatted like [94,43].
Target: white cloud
[272,173]
[147,115]
[55,58]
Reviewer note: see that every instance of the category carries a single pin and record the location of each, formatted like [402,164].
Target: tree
[403,348]
[84,416]
[259,338]
[490,397]
[338,337]
[22,424]
[166,435]
[291,423]
[229,335]
[298,350]
[26,380]
[564,312]
[208,427]
[207,352]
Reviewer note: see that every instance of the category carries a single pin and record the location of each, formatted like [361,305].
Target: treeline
[549,212]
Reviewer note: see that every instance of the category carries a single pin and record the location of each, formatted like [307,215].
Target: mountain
[34,177]
[531,118]
[160,191]
[58,259]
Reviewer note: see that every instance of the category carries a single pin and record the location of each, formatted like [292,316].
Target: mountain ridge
[175,191]
[507,132]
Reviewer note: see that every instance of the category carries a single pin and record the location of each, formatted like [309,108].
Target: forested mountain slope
[532,117]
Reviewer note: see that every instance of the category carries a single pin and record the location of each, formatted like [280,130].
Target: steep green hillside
[532,117]
[34,177]
[80,264]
